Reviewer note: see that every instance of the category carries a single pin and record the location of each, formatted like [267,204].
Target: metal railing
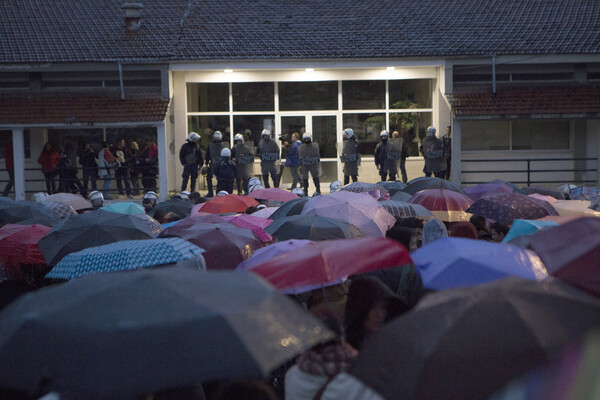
[526,167]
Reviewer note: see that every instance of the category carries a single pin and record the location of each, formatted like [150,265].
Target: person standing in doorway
[310,160]
[190,156]
[447,141]
[433,153]
[89,166]
[292,161]
[268,152]
[9,163]
[49,159]
[212,159]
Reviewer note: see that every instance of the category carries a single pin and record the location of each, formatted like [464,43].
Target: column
[19,157]
[161,142]
[456,173]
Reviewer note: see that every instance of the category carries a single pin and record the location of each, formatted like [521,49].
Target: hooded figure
[212,158]
[433,230]
[350,156]
[190,157]
[268,151]
[310,162]
[225,172]
[243,157]
[387,155]
[433,153]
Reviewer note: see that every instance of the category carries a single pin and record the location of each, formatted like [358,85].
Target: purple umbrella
[505,208]
[358,209]
[476,192]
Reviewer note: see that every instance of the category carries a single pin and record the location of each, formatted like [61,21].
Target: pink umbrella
[538,196]
[358,209]
[445,204]
[265,212]
[255,224]
[196,209]
[275,194]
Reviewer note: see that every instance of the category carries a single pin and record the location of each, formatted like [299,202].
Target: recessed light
[309,69]
[391,68]
[228,71]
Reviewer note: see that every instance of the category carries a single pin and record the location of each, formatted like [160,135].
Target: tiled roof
[80,108]
[568,99]
[184,30]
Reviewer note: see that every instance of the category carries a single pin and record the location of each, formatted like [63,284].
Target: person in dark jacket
[384,159]
[243,158]
[310,159]
[89,166]
[123,158]
[268,151]
[292,161]
[212,158]
[49,159]
[350,157]
[225,172]
[190,157]
[433,153]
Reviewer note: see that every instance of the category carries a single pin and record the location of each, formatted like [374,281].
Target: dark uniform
[212,158]
[268,152]
[351,159]
[190,157]
[244,159]
[433,153]
[310,162]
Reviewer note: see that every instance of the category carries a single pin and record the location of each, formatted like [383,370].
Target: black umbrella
[289,208]
[181,208]
[401,196]
[543,191]
[17,211]
[118,335]
[392,186]
[424,182]
[466,343]
[96,228]
[311,227]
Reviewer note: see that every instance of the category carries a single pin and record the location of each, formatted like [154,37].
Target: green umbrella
[126,207]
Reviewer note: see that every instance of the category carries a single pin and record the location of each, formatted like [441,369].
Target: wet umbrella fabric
[153,225]
[392,187]
[330,260]
[466,343]
[526,227]
[401,196]
[275,194]
[127,255]
[571,252]
[584,193]
[19,245]
[149,330]
[268,252]
[181,208]
[422,183]
[62,210]
[543,191]
[255,224]
[456,262]
[229,203]
[226,244]
[311,227]
[401,209]
[265,212]
[505,208]
[358,209]
[475,192]
[542,197]
[444,204]
[25,210]
[377,191]
[125,207]
[289,208]
[74,200]
[579,208]
[91,229]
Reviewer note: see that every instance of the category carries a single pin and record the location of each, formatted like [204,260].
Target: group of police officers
[237,164]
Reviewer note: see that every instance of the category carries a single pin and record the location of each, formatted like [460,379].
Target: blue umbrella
[526,227]
[456,262]
[127,255]
[125,207]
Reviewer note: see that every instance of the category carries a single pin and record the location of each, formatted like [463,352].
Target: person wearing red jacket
[49,159]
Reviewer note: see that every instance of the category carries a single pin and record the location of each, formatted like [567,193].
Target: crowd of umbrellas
[118,305]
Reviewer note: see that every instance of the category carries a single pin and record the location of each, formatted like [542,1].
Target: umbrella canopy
[542,197]
[466,343]
[505,208]
[74,200]
[275,194]
[324,262]
[560,219]
[401,196]
[423,182]
[311,227]
[128,255]
[265,212]
[181,208]
[226,244]
[584,193]
[153,225]
[289,208]
[358,209]
[454,262]
[268,252]
[526,227]
[558,195]
[227,204]
[150,330]
[571,252]
[475,192]
[19,245]
[392,186]
[377,191]
[95,228]
[401,209]
[578,208]
[17,211]
[445,205]
[255,224]
[62,210]
[125,207]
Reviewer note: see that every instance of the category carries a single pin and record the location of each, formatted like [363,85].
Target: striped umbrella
[402,209]
[127,255]
[444,204]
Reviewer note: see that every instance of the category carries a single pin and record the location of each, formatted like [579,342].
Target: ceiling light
[309,69]
[228,71]
[391,68]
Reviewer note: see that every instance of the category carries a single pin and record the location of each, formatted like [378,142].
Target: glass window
[6,137]
[324,133]
[251,126]
[484,135]
[206,125]
[206,97]
[413,93]
[540,135]
[363,95]
[413,127]
[295,96]
[366,128]
[253,96]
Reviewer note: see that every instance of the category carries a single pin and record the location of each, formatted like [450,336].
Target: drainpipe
[121,82]
[494,74]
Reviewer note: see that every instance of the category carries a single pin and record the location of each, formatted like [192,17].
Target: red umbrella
[445,204]
[226,244]
[272,194]
[571,252]
[255,224]
[19,245]
[228,204]
[330,260]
